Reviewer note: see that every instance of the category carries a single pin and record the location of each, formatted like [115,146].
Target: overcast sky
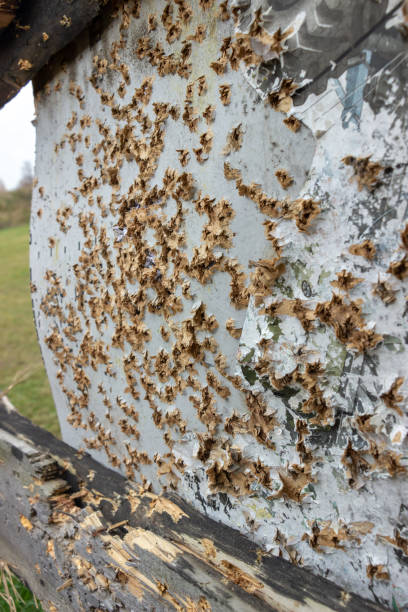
[17,136]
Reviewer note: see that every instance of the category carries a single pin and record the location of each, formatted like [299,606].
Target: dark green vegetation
[15,207]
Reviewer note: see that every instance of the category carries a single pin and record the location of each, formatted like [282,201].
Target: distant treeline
[15,207]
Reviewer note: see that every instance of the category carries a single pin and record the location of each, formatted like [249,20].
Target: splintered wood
[219,262]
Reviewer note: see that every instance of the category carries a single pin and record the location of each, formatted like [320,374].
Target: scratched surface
[218,254]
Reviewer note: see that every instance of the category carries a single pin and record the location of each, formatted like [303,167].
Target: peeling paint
[220,308]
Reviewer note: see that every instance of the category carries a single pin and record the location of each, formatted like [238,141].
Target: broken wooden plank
[83,537]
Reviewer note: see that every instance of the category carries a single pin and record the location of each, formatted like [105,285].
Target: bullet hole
[306,288]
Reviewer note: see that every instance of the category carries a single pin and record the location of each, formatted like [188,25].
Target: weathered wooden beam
[83,538]
[8,9]
[43,29]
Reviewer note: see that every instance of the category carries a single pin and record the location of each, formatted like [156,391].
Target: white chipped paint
[313,157]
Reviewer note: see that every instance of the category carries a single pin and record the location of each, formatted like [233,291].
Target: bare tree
[2,186]
[26,180]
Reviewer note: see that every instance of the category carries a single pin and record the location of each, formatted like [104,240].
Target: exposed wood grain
[83,538]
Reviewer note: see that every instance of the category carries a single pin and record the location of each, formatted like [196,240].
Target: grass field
[19,351]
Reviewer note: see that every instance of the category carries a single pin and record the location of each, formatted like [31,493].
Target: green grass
[15,596]
[19,351]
